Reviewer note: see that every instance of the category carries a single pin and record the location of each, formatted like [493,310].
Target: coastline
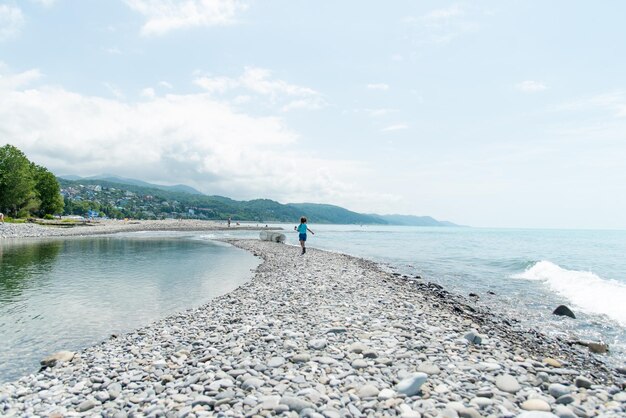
[325,334]
[111,226]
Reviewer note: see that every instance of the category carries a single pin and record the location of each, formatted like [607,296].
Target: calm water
[531,271]
[69,294]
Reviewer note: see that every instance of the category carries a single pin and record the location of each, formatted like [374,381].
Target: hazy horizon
[484,113]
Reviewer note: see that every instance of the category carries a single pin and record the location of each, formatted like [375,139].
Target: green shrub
[48,217]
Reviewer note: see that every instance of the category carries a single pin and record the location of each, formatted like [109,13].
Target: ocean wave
[586,290]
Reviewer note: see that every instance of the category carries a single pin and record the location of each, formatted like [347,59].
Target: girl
[302,229]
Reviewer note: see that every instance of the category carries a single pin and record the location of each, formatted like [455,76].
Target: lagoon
[67,294]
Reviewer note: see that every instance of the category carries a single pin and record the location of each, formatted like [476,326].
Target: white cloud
[376,113]
[11,21]
[163,16]
[260,81]
[396,127]
[192,139]
[113,51]
[378,86]
[613,102]
[45,3]
[444,14]
[166,85]
[115,91]
[530,86]
[148,93]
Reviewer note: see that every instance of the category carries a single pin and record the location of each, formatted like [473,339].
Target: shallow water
[66,294]
[531,271]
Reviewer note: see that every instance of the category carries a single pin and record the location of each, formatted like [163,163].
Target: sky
[483,113]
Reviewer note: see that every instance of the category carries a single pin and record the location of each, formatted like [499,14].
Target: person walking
[302,230]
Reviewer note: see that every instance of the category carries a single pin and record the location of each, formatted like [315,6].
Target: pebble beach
[319,335]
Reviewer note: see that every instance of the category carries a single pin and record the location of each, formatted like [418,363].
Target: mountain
[335,214]
[410,220]
[111,178]
[119,197]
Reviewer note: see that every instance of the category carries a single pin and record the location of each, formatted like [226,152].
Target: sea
[519,273]
[61,294]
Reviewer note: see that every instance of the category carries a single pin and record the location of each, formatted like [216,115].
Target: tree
[16,180]
[48,191]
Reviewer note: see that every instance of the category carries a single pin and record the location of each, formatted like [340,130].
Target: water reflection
[67,294]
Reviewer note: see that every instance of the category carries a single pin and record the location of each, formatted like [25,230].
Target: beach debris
[58,357]
[563,310]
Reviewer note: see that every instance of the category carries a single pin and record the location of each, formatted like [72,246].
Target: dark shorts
[302,237]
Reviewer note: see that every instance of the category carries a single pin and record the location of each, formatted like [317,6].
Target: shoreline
[327,334]
[11,231]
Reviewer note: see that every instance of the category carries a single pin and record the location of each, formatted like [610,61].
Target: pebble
[332,336]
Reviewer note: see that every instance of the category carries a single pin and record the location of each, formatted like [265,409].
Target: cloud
[260,82]
[396,127]
[176,138]
[163,16]
[166,85]
[11,21]
[148,93]
[530,86]
[377,113]
[447,13]
[45,3]
[441,26]
[378,86]
[613,102]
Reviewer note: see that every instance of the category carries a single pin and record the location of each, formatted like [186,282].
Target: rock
[536,414]
[318,344]
[86,405]
[357,347]
[598,348]
[507,383]
[428,368]
[583,382]
[565,399]
[411,385]
[58,357]
[275,362]
[563,310]
[252,383]
[114,390]
[474,337]
[359,364]
[469,413]
[557,390]
[368,391]
[536,405]
[300,358]
[552,362]
[386,394]
[564,412]
[295,404]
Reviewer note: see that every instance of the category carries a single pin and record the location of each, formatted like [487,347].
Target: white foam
[585,289]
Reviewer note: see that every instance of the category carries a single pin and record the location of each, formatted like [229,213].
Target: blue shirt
[302,228]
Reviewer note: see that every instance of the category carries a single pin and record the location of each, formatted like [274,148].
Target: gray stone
[428,368]
[300,358]
[359,364]
[368,391]
[536,405]
[536,414]
[583,382]
[318,344]
[563,412]
[469,413]
[357,347]
[295,404]
[565,399]
[275,362]
[86,405]
[386,394]
[507,383]
[252,383]
[411,385]
[557,390]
